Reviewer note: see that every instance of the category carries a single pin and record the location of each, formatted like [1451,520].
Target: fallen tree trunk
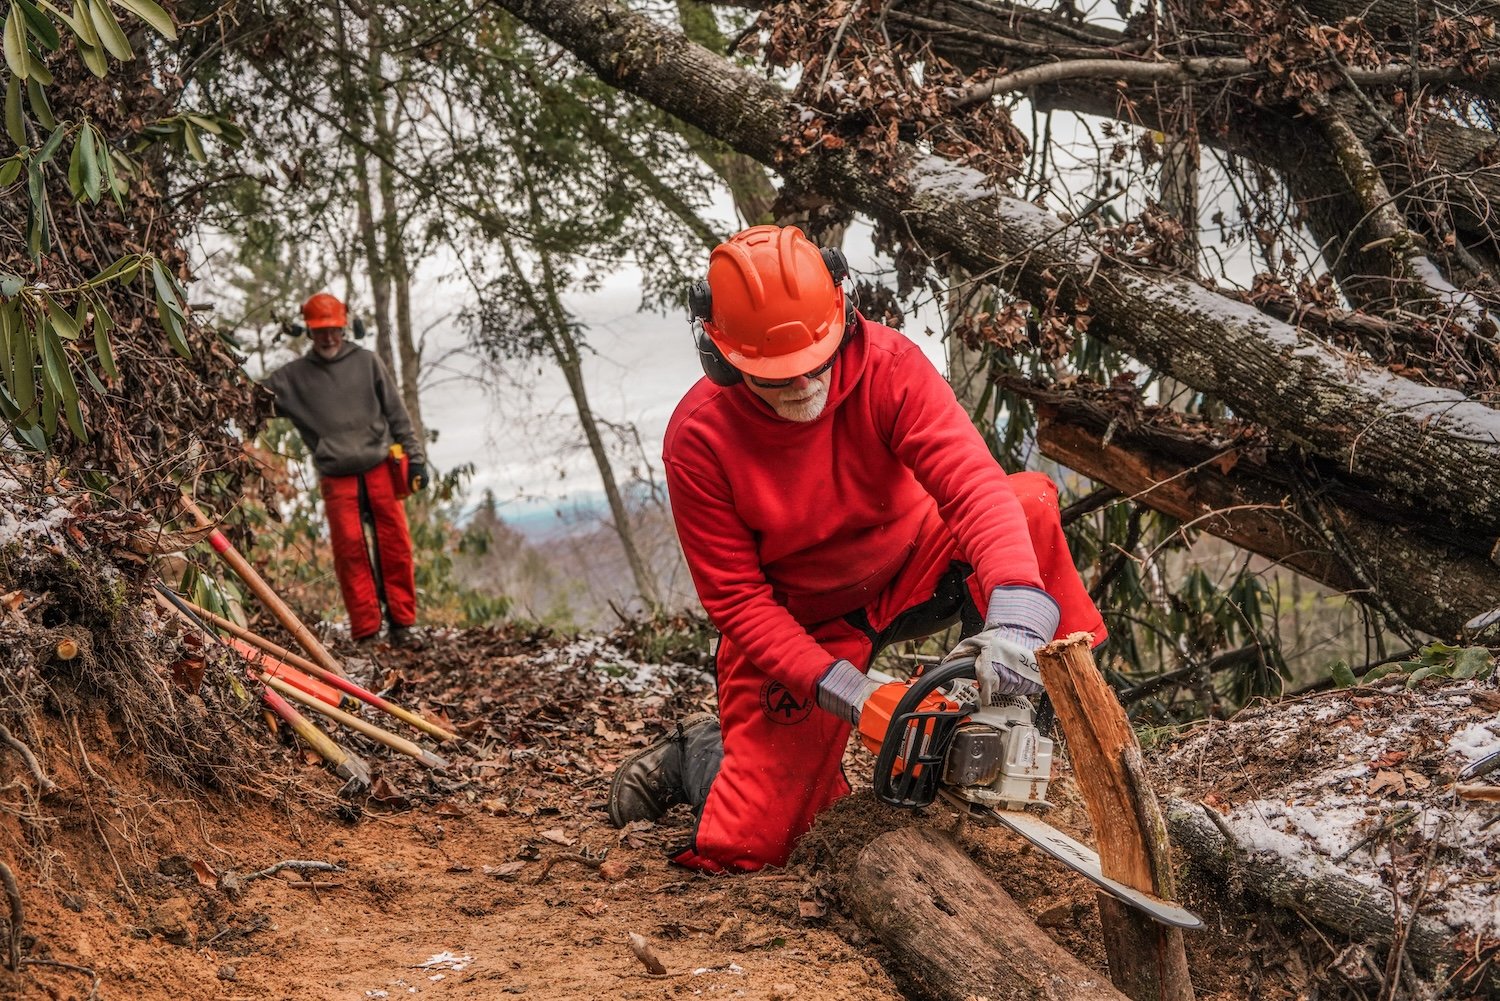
[955,935]
[1429,584]
[1315,888]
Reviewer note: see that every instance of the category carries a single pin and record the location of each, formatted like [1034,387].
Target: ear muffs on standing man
[349,412]
[832,497]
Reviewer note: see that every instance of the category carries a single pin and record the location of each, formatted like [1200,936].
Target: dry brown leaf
[386,793]
[558,836]
[810,909]
[1387,779]
[507,870]
[206,876]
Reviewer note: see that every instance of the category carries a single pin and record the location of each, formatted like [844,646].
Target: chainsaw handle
[910,780]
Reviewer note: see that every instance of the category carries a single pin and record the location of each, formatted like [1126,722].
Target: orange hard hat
[777,311]
[323,310]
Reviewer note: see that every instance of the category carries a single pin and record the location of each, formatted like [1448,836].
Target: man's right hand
[416,476]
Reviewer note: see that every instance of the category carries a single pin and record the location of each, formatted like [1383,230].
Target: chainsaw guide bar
[1080,858]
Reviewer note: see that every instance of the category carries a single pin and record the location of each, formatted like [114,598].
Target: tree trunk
[364,202]
[953,935]
[395,258]
[1432,586]
[548,309]
[1419,443]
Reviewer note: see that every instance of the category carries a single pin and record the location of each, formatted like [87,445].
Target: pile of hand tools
[317,682]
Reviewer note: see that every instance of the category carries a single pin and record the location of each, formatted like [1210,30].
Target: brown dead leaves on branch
[862,90]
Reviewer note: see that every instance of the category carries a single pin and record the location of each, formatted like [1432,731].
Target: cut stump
[1147,960]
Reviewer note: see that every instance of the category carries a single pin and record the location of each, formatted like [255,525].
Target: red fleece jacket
[785,522]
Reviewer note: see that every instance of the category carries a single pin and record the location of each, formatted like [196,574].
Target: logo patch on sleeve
[780,706]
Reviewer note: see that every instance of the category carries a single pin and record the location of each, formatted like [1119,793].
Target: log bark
[1147,960]
[1314,888]
[1430,444]
[1432,585]
[955,935]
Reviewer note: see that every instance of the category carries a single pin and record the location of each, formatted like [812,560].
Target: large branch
[1424,442]
[1430,584]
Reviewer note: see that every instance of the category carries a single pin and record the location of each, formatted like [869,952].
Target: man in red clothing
[346,407]
[831,497]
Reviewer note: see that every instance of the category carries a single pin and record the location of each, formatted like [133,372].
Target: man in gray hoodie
[349,413]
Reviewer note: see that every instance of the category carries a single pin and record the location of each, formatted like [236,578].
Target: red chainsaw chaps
[351,561]
[782,754]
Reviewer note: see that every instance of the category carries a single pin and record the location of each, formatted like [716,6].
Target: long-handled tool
[262,590]
[375,733]
[264,662]
[342,684]
[350,766]
[988,761]
[293,684]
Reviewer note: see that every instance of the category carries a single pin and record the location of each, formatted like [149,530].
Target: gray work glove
[1019,620]
[843,689]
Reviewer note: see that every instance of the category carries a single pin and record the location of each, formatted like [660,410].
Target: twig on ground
[299,865]
[1391,824]
[43,782]
[86,970]
[17,915]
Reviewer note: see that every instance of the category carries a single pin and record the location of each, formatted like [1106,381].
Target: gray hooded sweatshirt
[346,408]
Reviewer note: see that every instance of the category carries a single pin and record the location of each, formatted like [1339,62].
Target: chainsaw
[989,762]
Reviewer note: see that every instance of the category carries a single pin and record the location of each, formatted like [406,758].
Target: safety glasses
[784,383]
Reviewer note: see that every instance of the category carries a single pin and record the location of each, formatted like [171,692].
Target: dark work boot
[678,768]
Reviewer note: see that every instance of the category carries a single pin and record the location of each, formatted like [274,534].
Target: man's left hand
[1004,663]
[416,476]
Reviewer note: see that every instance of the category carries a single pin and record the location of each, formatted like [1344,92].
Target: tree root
[45,784]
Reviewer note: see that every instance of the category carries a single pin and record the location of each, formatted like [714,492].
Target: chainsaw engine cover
[998,757]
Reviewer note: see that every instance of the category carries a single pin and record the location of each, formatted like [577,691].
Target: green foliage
[43,348]
[1438,660]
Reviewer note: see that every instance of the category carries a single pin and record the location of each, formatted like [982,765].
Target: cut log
[1147,960]
[953,933]
[1319,891]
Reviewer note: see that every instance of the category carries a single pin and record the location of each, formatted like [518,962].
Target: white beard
[805,410]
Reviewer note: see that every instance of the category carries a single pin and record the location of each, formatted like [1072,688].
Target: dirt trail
[503,878]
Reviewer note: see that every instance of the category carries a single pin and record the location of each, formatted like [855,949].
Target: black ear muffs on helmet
[700,308]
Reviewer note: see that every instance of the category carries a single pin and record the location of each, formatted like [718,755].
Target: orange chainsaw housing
[875,717]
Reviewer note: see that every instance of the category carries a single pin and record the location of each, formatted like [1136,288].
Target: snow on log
[953,933]
[1340,807]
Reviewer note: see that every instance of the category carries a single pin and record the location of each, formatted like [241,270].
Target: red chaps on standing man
[345,498]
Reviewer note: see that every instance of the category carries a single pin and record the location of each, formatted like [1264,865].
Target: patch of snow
[615,667]
[1476,741]
[446,960]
